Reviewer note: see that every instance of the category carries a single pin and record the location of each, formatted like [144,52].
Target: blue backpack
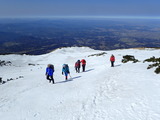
[65,68]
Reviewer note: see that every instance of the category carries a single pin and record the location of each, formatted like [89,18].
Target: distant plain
[40,36]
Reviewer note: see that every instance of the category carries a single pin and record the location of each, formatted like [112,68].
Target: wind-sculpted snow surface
[124,92]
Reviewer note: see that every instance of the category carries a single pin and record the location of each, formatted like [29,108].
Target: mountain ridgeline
[40,36]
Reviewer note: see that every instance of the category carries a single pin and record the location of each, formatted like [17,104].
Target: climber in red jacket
[112,59]
[83,61]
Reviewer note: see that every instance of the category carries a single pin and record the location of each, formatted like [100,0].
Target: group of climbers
[78,65]
[65,68]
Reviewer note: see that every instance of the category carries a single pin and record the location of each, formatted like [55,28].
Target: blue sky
[24,8]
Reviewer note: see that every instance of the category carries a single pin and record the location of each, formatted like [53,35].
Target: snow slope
[124,92]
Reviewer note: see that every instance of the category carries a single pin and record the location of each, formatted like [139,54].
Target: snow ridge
[124,92]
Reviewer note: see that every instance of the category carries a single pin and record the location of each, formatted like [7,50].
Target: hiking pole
[70,76]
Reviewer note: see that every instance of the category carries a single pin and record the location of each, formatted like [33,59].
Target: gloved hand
[62,73]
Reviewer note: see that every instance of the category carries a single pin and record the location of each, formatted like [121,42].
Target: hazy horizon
[94,17]
[36,8]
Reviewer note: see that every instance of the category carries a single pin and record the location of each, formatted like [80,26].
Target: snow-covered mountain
[125,92]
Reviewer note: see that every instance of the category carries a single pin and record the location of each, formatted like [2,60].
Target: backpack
[51,66]
[66,68]
[76,64]
[83,61]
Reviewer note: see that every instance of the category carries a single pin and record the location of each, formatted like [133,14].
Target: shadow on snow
[117,65]
[69,80]
[89,70]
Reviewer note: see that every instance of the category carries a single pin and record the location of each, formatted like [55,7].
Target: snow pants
[66,75]
[112,63]
[77,69]
[50,78]
[83,68]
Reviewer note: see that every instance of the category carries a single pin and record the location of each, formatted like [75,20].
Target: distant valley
[40,36]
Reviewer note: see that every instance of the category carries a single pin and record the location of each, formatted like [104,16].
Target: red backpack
[83,61]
